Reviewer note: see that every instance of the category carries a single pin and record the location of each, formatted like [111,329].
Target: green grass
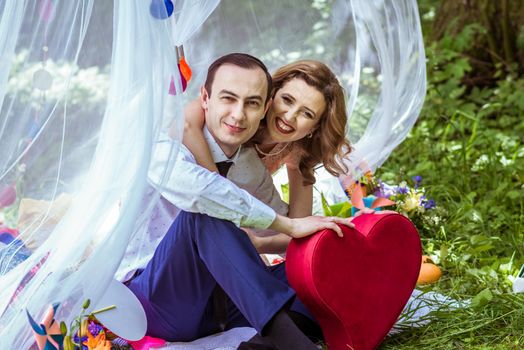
[468,145]
[469,148]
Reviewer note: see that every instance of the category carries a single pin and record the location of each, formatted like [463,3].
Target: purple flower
[429,204]
[402,190]
[77,340]
[94,328]
[384,190]
[417,180]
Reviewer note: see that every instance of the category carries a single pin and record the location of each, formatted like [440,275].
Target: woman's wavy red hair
[328,142]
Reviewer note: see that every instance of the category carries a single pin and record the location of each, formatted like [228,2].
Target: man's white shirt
[247,197]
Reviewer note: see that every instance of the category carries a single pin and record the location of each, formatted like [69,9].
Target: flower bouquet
[409,200]
[85,332]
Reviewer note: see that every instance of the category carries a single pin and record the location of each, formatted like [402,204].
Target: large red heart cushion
[356,286]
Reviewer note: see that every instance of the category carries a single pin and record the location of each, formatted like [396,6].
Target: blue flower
[94,328]
[429,204]
[403,190]
[417,180]
[384,190]
[77,340]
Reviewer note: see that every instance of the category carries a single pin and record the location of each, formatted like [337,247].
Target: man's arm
[193,188]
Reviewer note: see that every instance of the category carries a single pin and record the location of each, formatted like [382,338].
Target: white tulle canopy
[87,86]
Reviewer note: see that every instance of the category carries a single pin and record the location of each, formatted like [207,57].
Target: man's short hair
[242,60]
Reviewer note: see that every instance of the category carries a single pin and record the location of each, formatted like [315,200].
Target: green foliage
[285,192]
[342,209]
[468,147]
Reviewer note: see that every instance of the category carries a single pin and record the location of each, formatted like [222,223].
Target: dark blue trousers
[198,252]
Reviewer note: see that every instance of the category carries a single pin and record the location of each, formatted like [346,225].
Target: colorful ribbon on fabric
[184,70]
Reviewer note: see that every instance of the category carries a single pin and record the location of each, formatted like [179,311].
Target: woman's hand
[372,211]
[305,226]
[302,227]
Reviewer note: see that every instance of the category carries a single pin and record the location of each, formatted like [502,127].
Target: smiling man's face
[236,105]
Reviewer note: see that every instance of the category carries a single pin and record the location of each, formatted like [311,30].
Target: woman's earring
[310,135]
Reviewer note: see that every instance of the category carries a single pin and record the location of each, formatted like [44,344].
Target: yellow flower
[411,202]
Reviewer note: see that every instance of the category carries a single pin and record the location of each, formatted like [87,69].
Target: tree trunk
[502,45]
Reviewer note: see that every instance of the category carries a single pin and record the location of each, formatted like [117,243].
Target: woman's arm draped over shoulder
[194,136]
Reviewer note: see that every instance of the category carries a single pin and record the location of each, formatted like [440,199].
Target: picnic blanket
[416,313]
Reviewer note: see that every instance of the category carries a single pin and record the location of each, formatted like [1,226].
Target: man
[200,252]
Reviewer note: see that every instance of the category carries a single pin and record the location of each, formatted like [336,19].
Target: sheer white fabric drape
[76,140]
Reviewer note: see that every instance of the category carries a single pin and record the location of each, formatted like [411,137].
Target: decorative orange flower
[97,343]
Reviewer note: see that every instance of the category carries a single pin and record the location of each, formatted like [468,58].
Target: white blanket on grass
[222,341]
[416,313]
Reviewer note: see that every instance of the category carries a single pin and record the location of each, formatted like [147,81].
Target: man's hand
[302,227]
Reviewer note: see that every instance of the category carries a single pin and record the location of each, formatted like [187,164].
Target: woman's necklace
[269,154]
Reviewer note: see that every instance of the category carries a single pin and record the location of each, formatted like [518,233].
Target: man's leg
[197,252]
[298,311]
[175,288]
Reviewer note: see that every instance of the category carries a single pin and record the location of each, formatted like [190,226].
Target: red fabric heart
[356,286]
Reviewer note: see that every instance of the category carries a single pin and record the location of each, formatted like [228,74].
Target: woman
[304,127]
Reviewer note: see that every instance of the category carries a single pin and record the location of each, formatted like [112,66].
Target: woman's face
[295,112]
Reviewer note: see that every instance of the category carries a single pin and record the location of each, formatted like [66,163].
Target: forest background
[468,147]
